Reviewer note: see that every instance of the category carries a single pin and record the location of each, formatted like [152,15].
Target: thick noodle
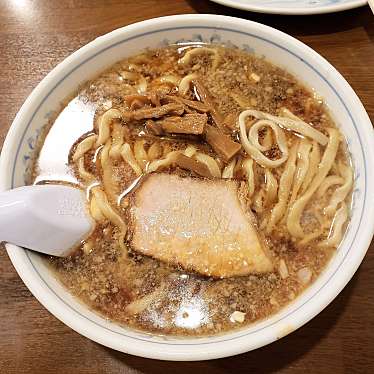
[336,232]
[84,146]
[154,151]
[248,169]
[141,82]
[118,135]
[228,171]
[185,83]
[173,79]
[309,237]
[210,162]
[298,126]
[186,59]
[128,156]
[140,153]
[106,210]
[284,189]
[83,173]
[329,181]
[271,188]
[109,183]
[284,112]
[104,125]
[95,211]
[258,201]
[190,151]
[342,192]
[302,167]
[293,219]
[252,146]
[314,160]
[104,154]
[162,163]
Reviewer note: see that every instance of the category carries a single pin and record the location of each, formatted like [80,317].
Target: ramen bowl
[285,51]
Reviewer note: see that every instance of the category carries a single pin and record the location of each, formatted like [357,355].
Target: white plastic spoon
[371,5]
[50,219]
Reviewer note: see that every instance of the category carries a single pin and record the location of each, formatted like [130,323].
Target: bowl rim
[322,9]
[152,349]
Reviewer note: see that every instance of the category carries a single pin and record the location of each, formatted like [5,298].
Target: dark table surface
[35,35]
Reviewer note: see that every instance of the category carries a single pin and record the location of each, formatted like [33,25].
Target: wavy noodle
[84,146]
[320,218]
[109,183]
[87,246]
[309,237]
[186,59]
[335,169]
[106,210]
[253,134]
[342,192]
[190,151]
[210,162]
[142,85]
[271,188]
[83,173]
[284,112]
[118,135]
[95,211]
[165,162]
[139,305]
[129,75]
[251,143]
[314,160]
[134,67]
[302,166]
[154,151]
[293,220]
[173,79]
[185,83]
[104,154]
[336,231]
[129,157]
[137,78]
[298,126]
[329,181]
[248,169]
[140,154]
[104,125]
[228,171]
[258,201]
[284,189]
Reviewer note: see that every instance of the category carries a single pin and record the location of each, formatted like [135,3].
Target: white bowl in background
[277,47]
[293,7]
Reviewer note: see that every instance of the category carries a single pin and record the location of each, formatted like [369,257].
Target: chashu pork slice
[197,224]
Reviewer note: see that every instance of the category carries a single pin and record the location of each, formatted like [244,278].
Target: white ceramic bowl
[293,7]
[276,46]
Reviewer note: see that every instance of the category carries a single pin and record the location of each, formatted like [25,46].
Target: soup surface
[219,184]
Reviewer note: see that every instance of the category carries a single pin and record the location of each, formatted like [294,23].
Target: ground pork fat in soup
[174,112]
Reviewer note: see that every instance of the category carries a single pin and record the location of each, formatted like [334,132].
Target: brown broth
[183,303]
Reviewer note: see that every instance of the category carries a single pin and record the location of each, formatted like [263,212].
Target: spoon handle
[50,219]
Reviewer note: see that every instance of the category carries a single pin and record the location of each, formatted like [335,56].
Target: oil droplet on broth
[75,120]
